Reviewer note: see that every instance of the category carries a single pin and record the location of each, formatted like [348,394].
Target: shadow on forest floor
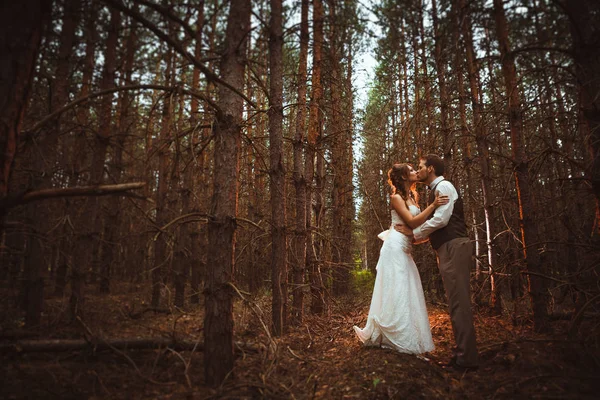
[320,359]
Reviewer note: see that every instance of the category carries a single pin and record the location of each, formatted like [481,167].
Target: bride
[398,316]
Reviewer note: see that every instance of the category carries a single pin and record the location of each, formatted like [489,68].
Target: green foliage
[362,279]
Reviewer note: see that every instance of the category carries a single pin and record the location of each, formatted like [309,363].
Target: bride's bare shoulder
[398,201]
[396,197]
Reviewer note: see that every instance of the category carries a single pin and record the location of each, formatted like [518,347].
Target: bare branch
[165,12]
[545,49]
[98,190]
[178,47]
[84,99]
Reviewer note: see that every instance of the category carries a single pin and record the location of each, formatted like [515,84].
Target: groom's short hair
[436,162]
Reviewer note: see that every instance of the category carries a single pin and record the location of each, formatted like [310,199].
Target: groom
[447,233]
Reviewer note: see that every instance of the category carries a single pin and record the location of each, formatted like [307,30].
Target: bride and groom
[398,315]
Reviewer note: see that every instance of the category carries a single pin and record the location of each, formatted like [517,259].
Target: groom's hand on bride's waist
[403,229]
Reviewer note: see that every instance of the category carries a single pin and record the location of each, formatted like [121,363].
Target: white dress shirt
[442,214]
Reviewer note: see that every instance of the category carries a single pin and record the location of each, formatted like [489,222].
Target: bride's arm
[413,221]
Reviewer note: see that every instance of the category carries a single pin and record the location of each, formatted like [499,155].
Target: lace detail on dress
[404,242]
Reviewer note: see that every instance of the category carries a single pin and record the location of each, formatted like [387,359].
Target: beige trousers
[455,261]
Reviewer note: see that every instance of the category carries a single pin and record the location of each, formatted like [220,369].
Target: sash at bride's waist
[383,235]
[403,241]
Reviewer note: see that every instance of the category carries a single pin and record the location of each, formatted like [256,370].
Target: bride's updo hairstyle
[397,177]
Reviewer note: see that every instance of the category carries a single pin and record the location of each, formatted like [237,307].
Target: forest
[191,193]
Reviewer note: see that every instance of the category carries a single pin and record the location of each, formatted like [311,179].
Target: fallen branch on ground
[140,314]
[60,345]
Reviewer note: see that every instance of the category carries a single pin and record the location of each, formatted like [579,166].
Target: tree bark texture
[45,154]
[314,132]
[277,171]
[198,233]
[527,222]
[161,245]
[124,123]
[483,150]
[82,240]
[340,153]
[585,31]
[91,221]
[440,63]
[21,27]
[218,320]
[300,235]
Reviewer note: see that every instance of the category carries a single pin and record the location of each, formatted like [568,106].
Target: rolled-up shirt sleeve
[441,215]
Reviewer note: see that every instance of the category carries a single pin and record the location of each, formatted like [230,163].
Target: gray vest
[456,227]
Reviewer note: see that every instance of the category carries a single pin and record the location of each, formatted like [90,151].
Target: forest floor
[320,359]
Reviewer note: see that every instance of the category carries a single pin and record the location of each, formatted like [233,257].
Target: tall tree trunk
[431,137]
[300,235]
[483,150]
[254,268]
[42,161]
[440,64]
[585,31]
[44,165]
[341,274]
[46,153]
[161,257]
[125,122]
[417,111]
[21,28]
[348,210]
[151,142]
[181,165]
[277,186]
[458,68]
[407,117]
[314,131]
[529,231]
[197,239]
[218,319]
[82,241]
[565,259]
[319,242]
[102,139]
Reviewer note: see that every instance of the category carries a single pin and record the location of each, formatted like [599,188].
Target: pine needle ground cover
[319,359]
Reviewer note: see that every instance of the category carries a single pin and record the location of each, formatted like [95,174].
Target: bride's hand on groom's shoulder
[440,200]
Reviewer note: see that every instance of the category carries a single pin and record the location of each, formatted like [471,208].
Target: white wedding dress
[398,316]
